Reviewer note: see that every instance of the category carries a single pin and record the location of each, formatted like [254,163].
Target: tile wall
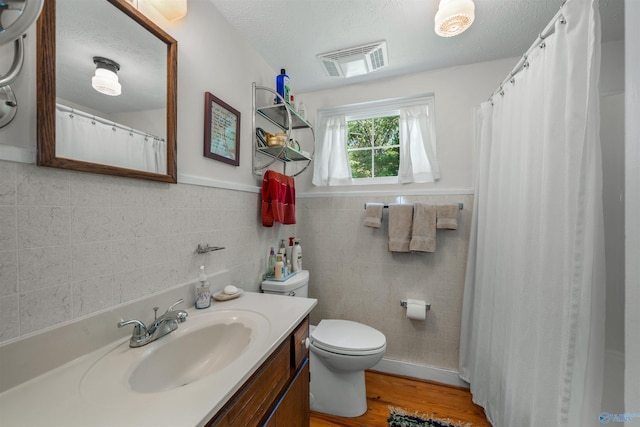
[75,243]
[355,277]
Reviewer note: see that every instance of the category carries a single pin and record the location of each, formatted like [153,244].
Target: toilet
[340,351]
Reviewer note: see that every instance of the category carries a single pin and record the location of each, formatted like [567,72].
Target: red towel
[278,199]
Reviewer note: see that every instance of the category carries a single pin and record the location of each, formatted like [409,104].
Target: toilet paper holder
[403,303]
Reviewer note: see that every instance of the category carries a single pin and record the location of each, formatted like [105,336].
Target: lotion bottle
[296,257]
[279,270]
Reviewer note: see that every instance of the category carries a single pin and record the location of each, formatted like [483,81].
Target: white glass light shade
[170,9]
[106,81]
[454,17]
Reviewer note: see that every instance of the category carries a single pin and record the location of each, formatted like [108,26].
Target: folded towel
[373,215]
[448,216]
[278,199]
[423,236]
[400,218]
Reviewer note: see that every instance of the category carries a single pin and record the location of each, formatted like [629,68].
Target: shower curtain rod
[522,63]
[105,122]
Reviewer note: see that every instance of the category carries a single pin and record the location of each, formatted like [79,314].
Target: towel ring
[28,11]
[18,60]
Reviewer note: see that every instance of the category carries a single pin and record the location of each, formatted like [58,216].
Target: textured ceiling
[88,28]
[290,33]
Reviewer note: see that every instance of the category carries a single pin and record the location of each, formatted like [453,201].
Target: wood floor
[384,390]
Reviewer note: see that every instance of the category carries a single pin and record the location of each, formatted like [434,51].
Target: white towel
[448,216]
[423,236]
[373,215]
[400,221]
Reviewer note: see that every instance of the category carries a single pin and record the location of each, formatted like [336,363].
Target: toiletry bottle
[279,269]
[203,291]
[302,110]
[287,269]
[296,257]
[272,263]
[282,250]
[289,249]
[282,86]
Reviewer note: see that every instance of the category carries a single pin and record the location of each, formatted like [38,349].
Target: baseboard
[423,372]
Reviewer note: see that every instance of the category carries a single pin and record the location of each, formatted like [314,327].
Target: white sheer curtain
[532,338]
[331,164]
[84,138]
[418,160]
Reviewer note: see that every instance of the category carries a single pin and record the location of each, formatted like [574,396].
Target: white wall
[632,213]
[458,91]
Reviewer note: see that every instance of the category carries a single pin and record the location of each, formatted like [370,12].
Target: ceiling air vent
[355,61]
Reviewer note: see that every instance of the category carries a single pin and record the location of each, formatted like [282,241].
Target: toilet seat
[347,337]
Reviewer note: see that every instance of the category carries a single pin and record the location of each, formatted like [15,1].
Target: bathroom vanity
[242,362]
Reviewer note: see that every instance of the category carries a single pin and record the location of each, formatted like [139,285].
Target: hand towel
[423,236]
[448,216]
[278,199]
[373,215]
[400,219]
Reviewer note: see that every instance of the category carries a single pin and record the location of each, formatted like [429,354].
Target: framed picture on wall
[221,130]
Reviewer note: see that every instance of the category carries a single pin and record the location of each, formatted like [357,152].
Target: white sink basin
[206,344]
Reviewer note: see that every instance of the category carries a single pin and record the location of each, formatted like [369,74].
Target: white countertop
[56,398]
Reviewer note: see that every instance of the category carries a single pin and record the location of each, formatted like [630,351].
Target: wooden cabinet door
[293,410]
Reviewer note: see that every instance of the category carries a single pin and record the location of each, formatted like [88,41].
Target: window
[390,141]
[373,146]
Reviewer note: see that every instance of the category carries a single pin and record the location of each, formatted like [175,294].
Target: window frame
[382,108]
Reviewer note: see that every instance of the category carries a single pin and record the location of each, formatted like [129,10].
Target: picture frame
[221,130]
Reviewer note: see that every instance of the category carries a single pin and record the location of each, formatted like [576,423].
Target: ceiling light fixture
[105,79]
[454,17]
[171,9]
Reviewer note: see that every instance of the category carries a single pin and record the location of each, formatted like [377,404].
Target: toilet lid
[347,336]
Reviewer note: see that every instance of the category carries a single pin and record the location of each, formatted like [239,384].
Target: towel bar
[460,205]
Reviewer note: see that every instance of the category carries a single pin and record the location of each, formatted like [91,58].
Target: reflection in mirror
[109,104]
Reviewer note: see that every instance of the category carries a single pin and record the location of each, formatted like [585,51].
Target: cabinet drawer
[253,401]
[300,350]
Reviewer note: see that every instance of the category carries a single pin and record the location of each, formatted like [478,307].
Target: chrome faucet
[160,327]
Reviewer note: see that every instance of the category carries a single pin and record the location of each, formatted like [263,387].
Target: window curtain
[331,164]
[532,332]
[418,161]
[83,138]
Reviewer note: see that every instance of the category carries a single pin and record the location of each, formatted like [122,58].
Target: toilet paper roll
[416,309]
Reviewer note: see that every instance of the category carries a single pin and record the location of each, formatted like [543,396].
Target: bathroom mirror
[130,134]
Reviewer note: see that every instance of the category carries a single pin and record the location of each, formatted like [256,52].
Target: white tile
[126,223]
[92,295]
[8,173]
[130,285]
[43,226]
[43,267]
[90,260]
[90,224]
[9,317]
[127,254]
[8,228]
[90,190]
[127,192]
[8,273]
[42,186]
[43,308]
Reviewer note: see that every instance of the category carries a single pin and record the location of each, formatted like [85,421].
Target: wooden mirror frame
[46,97]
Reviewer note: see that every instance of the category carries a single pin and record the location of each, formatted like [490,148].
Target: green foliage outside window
[374,147]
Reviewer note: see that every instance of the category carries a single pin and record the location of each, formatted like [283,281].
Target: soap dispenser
[203,291]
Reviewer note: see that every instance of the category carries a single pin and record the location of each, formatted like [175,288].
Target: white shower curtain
[532,338]
[82,137]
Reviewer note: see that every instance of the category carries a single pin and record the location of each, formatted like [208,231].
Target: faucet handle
[180,301]
[139,330]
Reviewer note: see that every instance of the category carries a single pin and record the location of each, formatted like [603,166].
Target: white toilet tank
[295,286]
